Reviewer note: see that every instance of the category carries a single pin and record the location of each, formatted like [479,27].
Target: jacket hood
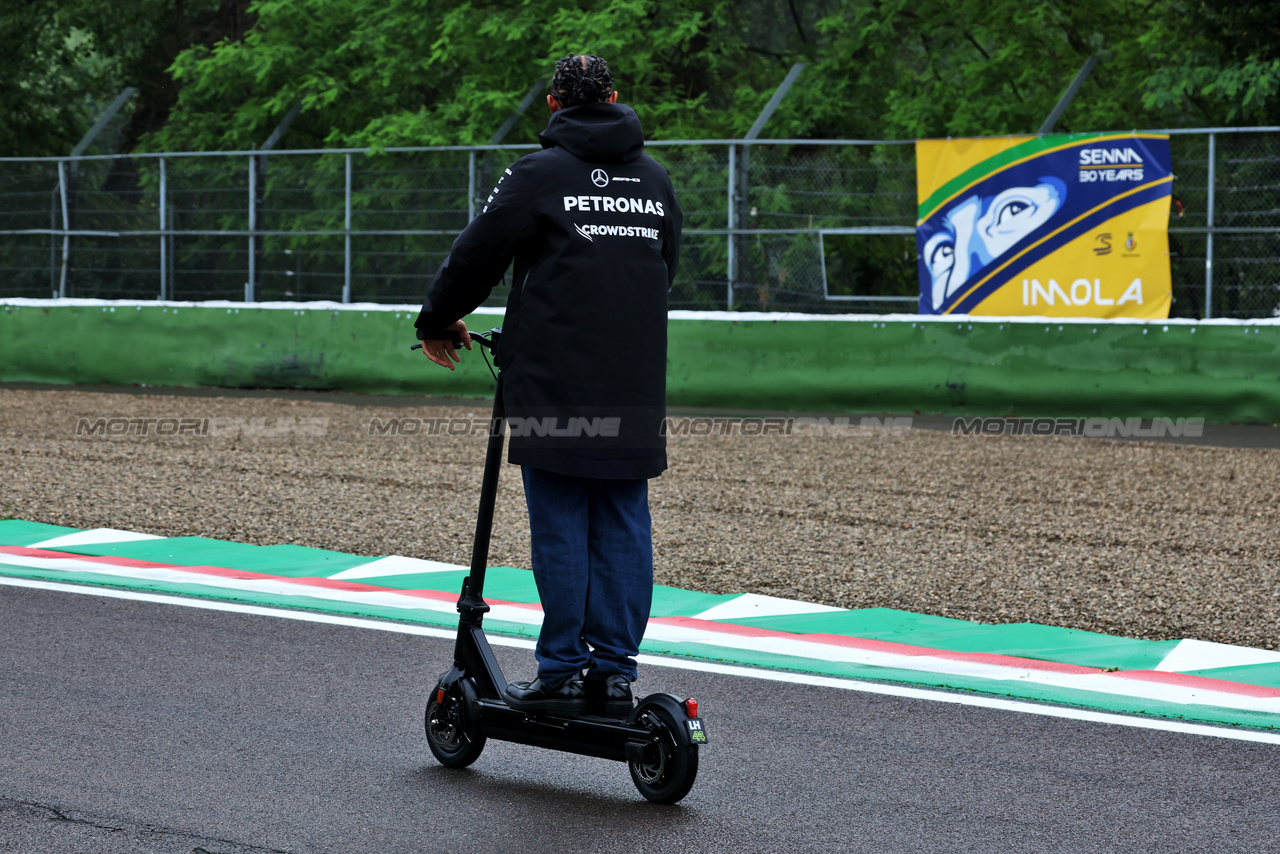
[600,133]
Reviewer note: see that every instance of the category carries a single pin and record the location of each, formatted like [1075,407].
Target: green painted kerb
[1025,368]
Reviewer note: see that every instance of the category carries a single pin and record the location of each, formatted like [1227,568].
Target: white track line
[96,536]
[754,605]
[394,565]
[1206,655]
[1064,712]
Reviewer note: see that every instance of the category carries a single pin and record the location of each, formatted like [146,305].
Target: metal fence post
[1208,245]
[346,226]
[733,256]
[164,231]
[173,251]
[253,224]
[66,228]
[742,195]
[53,242]
[471,185]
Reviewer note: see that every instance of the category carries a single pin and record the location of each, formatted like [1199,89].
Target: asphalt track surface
[139,727]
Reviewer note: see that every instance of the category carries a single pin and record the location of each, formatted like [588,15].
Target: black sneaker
[564,698]
[609,697]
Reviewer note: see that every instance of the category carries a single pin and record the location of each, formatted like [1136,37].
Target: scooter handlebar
[490,341]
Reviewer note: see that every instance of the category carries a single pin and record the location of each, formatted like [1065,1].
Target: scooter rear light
[691,707]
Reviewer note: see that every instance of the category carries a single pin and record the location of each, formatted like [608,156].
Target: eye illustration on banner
[978,230]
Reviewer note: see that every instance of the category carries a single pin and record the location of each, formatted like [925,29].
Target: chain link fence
[814,226]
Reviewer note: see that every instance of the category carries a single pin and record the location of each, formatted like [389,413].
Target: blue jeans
[592,544]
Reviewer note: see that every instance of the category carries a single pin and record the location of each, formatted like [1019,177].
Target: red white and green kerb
[1184,679]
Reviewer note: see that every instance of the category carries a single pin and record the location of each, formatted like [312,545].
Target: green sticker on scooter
[697,733]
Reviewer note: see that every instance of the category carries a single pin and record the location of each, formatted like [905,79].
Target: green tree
[65,60]
[1215,63]
[411,72]
[222,73]
[52,75]
[977,67]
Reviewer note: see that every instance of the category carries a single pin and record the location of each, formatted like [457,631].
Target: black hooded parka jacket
[593,227]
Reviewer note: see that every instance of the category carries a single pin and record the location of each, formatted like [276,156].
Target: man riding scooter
[593,227]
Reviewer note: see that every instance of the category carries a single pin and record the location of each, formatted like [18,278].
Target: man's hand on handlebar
[443,351]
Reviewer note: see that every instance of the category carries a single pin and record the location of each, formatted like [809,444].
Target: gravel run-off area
[1142,539]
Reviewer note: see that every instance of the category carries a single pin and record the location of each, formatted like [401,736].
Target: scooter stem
[471,604]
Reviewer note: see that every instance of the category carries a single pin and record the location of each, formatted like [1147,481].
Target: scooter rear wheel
[454,739]
[667,771]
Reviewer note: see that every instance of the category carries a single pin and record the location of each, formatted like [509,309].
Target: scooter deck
[588,735]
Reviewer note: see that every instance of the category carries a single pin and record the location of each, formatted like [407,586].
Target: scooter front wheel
[454,739]
[667,769]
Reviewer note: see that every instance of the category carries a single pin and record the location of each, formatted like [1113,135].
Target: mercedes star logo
[600,178]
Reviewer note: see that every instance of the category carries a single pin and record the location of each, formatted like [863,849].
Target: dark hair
[574,84]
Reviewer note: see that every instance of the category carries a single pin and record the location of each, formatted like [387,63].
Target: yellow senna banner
[1063,225]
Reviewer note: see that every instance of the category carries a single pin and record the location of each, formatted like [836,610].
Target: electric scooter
[658,740]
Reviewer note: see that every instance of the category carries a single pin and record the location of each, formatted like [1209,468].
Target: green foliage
[426,72]
[65,60]
[411,72]
[1218,61]
[50,73]
[977,67]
